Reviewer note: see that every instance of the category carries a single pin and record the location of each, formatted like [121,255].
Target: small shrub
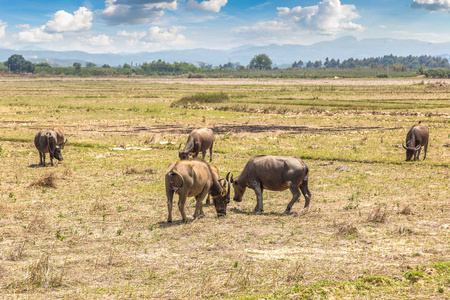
[42,274]
[345,228]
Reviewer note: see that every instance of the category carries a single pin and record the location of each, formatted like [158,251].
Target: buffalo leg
[203,155]
[259,199]
[40,158]
[293,187]
[181,204]
[425,148]
[305,191]
[169,194]
[43,159]
[417,154]
[198,205]
[210,152]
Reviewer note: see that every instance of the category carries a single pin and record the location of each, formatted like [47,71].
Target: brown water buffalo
[199,140]
[416,138]
[274,173]
[195,178]
[46,142]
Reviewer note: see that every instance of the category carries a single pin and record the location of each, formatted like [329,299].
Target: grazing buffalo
[46,141]
[60,137]
[416,138]
[199,140]
[274,173]
[195,178]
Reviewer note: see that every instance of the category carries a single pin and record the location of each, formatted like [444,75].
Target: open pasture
[94,225]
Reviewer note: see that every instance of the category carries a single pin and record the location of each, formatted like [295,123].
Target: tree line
[424,65]
[397,63]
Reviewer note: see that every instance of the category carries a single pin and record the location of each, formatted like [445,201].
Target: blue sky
[151,25]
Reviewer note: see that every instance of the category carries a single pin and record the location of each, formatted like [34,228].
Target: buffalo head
[410,151]
[238,190]
[57,154]
[182,154]
[221,201]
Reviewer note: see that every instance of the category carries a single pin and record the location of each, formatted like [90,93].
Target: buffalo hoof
[259,212]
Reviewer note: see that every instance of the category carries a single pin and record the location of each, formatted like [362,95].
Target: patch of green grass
[201,98]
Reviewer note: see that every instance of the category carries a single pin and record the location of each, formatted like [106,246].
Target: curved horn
[229,184]
[179,148]
[417,148]
[404,146]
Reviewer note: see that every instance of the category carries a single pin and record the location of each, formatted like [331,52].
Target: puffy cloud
[2,29]
[99,40]
[133,12]
[65,22]
[161,37]
[432,5]
[170,35]
[328,17]
[208,6]
[37,35]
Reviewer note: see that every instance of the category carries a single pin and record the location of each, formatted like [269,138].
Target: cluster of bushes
[396,63]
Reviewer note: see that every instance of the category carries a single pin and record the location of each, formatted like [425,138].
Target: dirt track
[252,81]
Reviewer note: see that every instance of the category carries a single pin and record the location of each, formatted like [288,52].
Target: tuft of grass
[132,170]
[406,210]
[345,228]
[17,251]
[48,180]
[201,98]
[378,214]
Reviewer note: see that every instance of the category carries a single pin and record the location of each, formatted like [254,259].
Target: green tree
[17,64]
[90,65]
[106,66]
[77,66]
[261,62]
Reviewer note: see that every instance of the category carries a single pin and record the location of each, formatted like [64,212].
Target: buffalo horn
[179,148]
[229,184]
[404,146]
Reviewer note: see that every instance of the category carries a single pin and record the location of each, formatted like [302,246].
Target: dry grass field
[94,225]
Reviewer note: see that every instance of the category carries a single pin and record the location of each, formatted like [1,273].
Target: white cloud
[432,5]
[169,35]
[155,37]
[37,35]
[65,22]
[208,6]
[3,29]
[269,27]
[328,17]
[134,12]
[23,26]
[99,40]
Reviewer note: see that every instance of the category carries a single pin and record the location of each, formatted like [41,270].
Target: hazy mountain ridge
[342,48]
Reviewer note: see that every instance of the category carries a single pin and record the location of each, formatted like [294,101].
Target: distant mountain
[281,55]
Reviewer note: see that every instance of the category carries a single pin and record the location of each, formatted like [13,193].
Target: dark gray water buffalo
[46,141]
[416,138]
[199,140]
[274,173]
[195,178]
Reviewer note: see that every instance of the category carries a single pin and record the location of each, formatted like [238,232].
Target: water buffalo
[46,142]
[60,137]
[195,178]
[274,173]
[199,140]
[416,138]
